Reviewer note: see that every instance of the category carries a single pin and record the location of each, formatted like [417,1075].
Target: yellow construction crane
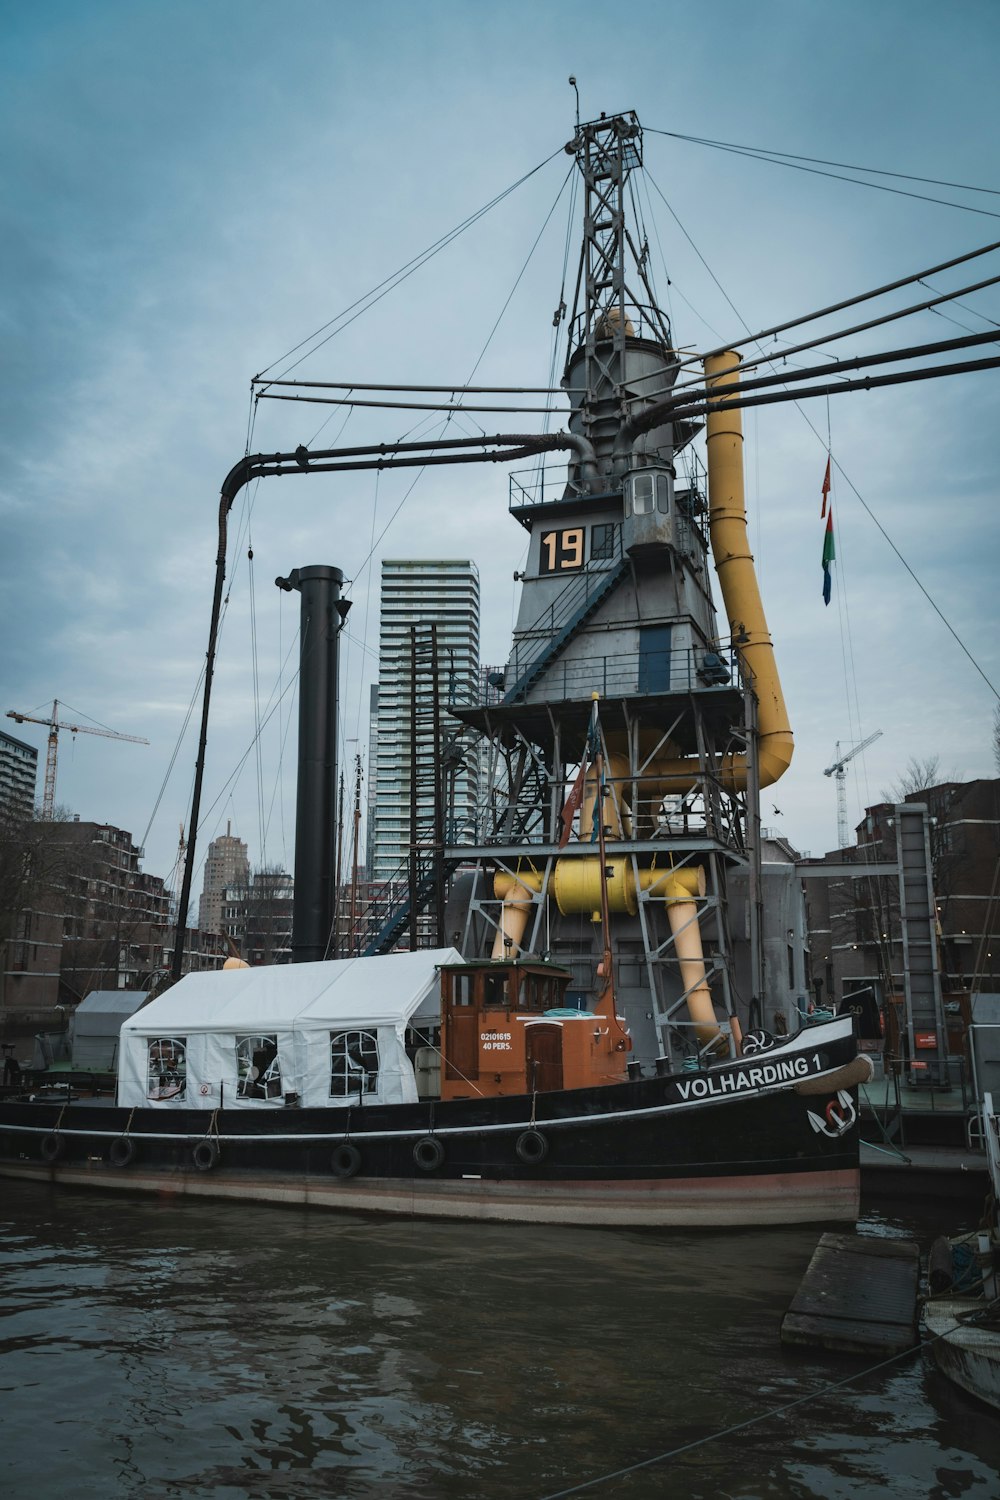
[54,725]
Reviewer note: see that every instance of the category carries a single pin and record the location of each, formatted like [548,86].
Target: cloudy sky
[191,189]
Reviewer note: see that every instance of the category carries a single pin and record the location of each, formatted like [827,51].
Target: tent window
[166,1067]
[353,1063]
[258,1067]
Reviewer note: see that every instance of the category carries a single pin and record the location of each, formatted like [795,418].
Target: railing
[624,675]
[542,484]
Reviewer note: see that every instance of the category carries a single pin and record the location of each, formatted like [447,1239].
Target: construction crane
[837,770]
[54,724]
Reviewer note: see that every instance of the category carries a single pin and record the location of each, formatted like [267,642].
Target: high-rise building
[257,917]
[226,864]
[416,596]
[18,773]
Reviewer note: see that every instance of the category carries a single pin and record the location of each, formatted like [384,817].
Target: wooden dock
[858,1296]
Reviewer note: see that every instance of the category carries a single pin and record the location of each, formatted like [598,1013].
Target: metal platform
[858,1296]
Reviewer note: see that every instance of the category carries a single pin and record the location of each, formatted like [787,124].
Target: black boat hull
[677,1151]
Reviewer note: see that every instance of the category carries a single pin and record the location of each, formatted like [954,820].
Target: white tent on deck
[325,1032]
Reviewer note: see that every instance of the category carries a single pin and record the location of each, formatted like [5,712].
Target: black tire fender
[205,1155]
[531,1147]
[345,1160]
[428,1153]
[53,1147]
[122,1151]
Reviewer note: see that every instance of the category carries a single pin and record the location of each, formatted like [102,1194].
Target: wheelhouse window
[258,1067]
[166,1067]
[643,496]
[496,993]
[646,493]
[353,1064]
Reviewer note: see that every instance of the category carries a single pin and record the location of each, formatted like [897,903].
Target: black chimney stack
[323,614]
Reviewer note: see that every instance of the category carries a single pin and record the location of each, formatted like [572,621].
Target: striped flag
[826,488]
[829,553]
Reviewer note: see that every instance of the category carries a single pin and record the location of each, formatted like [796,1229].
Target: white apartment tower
[18,772]
[435,592]
[226,864]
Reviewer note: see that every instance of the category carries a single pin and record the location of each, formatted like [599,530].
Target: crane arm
[108,734]
[839,765]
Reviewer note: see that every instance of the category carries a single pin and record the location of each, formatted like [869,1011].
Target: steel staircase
[582,598]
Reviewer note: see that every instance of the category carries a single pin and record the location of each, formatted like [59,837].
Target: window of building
[258,1067]
[166,1067]
[353,1063]
[602,541]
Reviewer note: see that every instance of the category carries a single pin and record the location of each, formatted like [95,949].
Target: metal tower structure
[616,608]
[54,724]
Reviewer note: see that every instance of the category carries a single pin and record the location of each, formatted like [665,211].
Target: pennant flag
[826,488]
[828,556]
[575,798]
[573,802]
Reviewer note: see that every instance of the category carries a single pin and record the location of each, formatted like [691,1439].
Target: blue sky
[188,190]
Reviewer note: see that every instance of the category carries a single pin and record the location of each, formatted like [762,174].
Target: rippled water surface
[166,1348]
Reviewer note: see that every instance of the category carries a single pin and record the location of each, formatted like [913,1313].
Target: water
[164,1348]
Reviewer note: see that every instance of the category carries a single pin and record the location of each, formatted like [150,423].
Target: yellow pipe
[513,913]
[576,885]
[616,808]
[682,914]
[727,521]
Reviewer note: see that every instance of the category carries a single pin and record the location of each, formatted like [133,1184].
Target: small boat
[966,1334]
[321,1084]
[962,1314]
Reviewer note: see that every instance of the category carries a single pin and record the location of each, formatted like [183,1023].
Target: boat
[962,1310]
[590,1047]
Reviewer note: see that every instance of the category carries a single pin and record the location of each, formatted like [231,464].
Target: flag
[828,556]
[826,488]
[573,801]
[575,798]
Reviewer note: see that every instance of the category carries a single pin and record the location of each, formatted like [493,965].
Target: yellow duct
[576,884]
[514,891]
[682,914]
[727,521]
[617,822]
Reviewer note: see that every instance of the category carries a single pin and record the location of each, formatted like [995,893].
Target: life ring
[532,1147]
[428,1153]
[205,1155]
[53,1147]
[121,1152]
[345,1160]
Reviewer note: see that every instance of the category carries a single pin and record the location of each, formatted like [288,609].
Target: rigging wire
[880,187]
[713,1437]
[839,466]
[822,161]
[369,299]
[973,311]
[831,338]
[520,274]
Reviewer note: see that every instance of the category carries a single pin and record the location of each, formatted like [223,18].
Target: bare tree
[257,915]
[918,776]
[36,859]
